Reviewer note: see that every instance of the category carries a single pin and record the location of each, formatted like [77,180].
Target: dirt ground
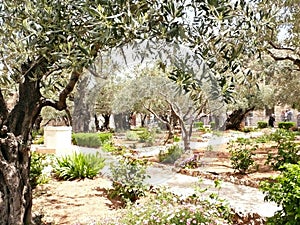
[74,202]
[85,202]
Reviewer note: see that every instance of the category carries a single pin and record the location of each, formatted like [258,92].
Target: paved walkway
[242,198]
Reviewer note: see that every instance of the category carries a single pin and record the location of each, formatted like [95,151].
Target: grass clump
[78,166]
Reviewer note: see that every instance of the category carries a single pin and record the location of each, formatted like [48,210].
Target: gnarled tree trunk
[236,118]
[15,190]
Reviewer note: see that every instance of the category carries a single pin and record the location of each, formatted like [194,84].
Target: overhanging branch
[284,53]
[61,103]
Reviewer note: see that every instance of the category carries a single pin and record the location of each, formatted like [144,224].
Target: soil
[86,202]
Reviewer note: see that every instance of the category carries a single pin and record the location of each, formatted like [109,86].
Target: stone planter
[59,139]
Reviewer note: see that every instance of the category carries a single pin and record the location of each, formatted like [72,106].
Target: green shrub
[116,150]
[171,154]
[39,140]
[286,125]
[38,163]
[104,137]
[92,140]
[198,124]
[164,207]
[128,177]
[78,166]
[241,153]
[131,136]
[176,138]
[262,124]
[285,191]
[287,150]
[145,136]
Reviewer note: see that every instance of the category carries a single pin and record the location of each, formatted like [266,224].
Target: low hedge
[286,125]
[262,124]
[92,140]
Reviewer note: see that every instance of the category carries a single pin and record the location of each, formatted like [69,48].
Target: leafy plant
[78,166]
[176,138]
[128,177]
[191,163]
[171,154]
[38,163]
[164,207]
[87,139]
[110,147]
[131,136]
[286,125]
[285,191]
[241,153]
[287,150]
[104,137]
[199,124]
[146,136]
[262,124]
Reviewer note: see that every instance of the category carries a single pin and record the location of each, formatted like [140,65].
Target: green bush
[92,140]
[287,150]
[285,191]
[286,125]
[171,154]
[104,137]
[198,124]
[78,166]
[128,177]
[116,150]
[38,163]
[131,136]
[262,124]
[164,207]
[241,153]
[145,136]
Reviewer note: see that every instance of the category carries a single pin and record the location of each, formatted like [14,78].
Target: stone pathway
[241,198]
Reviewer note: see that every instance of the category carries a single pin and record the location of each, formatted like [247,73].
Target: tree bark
[15,190]
[236,118]
[16,126]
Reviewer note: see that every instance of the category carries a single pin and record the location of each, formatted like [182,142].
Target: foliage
[287,150]
[78,166]
[198,124]
[285,191]
[171,154]
[164,207]
[128,176]
[191,163]
[116,150]
[104,137]
[176,138]
[262,124]
[92,140]
[131,135]
[146,136]
[241,153]
[39,140]
[286,125]
[40,169]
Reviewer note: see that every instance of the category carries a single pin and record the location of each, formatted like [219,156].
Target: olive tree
[44,46]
